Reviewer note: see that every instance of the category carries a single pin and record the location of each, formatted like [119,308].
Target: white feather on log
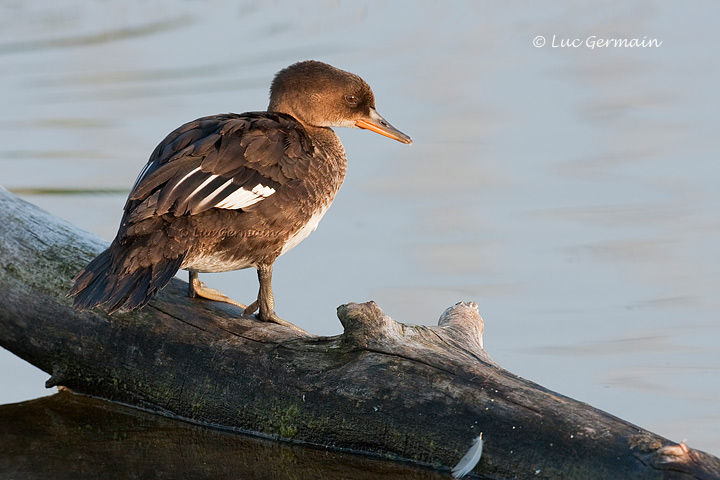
[470,459]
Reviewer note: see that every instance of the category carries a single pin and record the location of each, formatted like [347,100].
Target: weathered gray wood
[401,391]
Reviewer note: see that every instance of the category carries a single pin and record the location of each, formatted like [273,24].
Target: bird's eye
[351,100]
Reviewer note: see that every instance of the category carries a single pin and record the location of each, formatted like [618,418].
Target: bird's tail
[105,283]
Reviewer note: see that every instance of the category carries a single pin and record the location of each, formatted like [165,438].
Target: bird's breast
[305,230]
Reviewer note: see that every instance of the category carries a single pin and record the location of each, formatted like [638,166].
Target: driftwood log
[398,391]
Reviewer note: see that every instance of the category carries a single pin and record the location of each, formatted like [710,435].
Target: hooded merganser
[233,191]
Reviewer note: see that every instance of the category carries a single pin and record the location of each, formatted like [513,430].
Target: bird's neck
[326,138]
[323,137]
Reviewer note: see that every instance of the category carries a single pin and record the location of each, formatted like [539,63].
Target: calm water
[571,191]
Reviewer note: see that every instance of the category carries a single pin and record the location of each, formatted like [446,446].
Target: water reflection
[69,437]
[94,39]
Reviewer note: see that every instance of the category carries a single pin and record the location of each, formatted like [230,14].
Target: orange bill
[374,122]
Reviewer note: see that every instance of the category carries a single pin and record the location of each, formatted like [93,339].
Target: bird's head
[320,95]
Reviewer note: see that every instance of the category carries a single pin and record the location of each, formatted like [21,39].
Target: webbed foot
[199,289]
[269,316]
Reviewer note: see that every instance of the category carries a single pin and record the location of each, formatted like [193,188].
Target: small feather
[471,458]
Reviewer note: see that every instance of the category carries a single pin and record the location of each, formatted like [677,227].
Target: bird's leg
[196,288]
[265,301]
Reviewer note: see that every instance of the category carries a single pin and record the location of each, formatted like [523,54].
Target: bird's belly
[245,250]
[214,262]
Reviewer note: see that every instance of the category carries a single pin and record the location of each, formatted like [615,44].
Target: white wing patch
[242,198]
[191,173]
[211,197]
[263,191]
[202,185]
[226,196]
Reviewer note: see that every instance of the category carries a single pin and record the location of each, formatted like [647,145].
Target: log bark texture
[382,387]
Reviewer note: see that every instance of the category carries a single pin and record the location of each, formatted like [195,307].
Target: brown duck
[233,191]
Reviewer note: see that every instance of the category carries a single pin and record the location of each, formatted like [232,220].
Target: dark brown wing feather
[249,149]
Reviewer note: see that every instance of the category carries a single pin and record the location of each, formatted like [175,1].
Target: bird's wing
[224,161]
